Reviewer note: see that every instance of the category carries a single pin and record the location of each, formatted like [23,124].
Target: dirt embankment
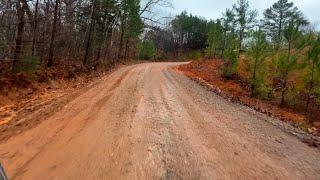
[23,94]
[208,73]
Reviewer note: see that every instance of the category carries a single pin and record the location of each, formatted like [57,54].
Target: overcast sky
[212,9]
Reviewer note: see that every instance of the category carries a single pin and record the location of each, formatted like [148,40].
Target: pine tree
[228,25]
[257,54]
[313,69]
[215,39]
[277,18]
[134,23]
[245,19]
[288,61]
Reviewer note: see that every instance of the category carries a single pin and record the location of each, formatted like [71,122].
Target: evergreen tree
[147,50]
[257,54]
[245,19]
[313,70]
[228,25]
[288,61]
[230,57]
[277,18]
[215,39]
[134,24]
[190,32]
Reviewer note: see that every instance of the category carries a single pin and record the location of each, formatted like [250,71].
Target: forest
[277,56]
[39,34]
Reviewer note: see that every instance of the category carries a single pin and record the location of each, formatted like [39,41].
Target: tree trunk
[121,42]
[224,44]
[53,34]
[284,83]
[85,59]
[240,40]
[44,37]
[215,52]
[18,48]
[253,86]
[279,39]
[310,88]
[103,38]
[127,49]
[283,92]
[35,26]
[108,40]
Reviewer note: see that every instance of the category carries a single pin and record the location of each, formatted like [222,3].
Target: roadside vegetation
[275,59]
[39,34]
[44,43]
[48,47]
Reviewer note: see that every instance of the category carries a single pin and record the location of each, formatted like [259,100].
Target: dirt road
[148,122]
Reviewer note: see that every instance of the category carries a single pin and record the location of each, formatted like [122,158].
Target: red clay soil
[22,94]
[207,73]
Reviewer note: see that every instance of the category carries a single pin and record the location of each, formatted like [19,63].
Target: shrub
[229,67]
[147,51]
[29,65]
[194,55]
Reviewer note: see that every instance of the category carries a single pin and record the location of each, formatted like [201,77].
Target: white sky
[212,9]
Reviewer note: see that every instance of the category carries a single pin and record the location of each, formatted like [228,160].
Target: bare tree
[21,23]
[35,26]
[85,59]
[53,34]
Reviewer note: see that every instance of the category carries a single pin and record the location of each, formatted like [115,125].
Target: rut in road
[149,122]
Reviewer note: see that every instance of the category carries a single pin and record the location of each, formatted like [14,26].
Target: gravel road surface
[149,122]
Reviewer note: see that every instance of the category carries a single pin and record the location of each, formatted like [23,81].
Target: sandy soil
[148,122]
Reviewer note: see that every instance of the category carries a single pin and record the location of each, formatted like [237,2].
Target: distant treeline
[277,56]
